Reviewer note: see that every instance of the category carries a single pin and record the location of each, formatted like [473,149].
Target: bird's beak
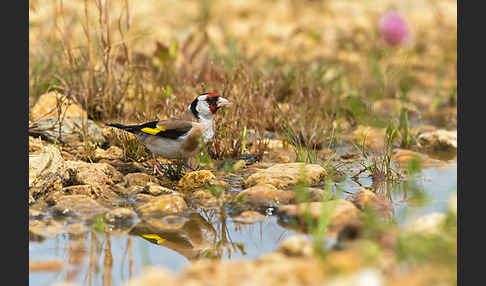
[223,102]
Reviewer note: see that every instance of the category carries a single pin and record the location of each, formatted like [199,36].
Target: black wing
[172,129]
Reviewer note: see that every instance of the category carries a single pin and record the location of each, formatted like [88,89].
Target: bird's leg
[157,167]
[188,165]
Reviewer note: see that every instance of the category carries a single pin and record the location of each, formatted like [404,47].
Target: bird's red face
[208,103]
[215,101]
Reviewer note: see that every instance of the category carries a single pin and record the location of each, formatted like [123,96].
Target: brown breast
[191,145]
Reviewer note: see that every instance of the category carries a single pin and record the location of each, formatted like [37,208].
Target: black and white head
[206,105]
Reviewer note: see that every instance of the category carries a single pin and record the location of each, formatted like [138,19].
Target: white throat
[208,125]
[206,120]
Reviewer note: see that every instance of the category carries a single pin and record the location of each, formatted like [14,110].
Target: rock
[133,190]
[125,191]
[78,205]
[143,198]
[249,217]
[52,197]
[70,156]
[139,179]
[112,153]
[35,145]
[76,228]
[339,213]
[36,213]
[152,276]
[47,172]
[121,216]
[205,199]
[46,266]
[94,174]
[405,157]
[46,227]
[367,276]
[167,223]
[296,245]
[445,117]
[438,140]
[156,189]
[423,275]
[367,199]
[280,156]
[371,137]
[195,180]
[86,190]
[422,129]
[163,205]
[427,224]
[266,195]
[125,167]
[108,197]
[47,107]
[311,195]
[72,130]
[274,143]
[347,260]
[287,174]
[273,257]
[271,269]
[103,194]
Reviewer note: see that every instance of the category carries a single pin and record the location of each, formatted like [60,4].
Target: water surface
[109,258]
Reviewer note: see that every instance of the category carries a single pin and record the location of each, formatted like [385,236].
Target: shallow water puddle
[100,258]
[110,259]
[438,186]
[433,186]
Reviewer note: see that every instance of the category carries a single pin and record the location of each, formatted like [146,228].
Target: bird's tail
[129,128]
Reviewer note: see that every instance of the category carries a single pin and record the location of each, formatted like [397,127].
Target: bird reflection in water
[192,236]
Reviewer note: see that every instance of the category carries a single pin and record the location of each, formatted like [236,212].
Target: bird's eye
[212,100]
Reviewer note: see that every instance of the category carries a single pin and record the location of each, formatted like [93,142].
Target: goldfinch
[178,137]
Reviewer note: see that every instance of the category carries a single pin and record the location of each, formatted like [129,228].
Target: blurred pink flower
[394,28]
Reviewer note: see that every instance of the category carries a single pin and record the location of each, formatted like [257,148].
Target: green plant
[132,148]
[303,150]
[379,166]
[216,191]
[203,157]
[99,223]
[439,248]
[174,171]
[403,128]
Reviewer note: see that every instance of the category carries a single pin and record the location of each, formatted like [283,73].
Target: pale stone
[194,180]
[287,174]
[47,107]
[296,245]
[266,195]
[163,205]
[430,223]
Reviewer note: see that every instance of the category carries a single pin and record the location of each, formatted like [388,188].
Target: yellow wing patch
[159,239]
[153,131]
